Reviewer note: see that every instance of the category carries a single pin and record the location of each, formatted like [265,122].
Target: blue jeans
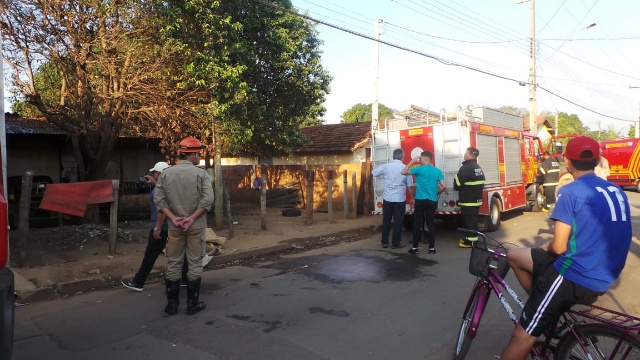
[424,210]
[396,211]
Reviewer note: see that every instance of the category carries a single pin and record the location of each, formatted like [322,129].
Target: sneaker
[413,250]
[464,244]
[545,210]
[432,251]
[385,246]
[131,284]
[399,246]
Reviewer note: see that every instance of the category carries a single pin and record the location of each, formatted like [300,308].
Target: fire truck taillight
[452,203]
[379,204]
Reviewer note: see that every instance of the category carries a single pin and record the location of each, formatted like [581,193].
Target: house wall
[239,179]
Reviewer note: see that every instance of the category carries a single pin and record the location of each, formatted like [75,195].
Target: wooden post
[345,198]
[310,177]
[366,177]
[227,205]
[113,218]
[330,196]
[354,196]
[24,214]
[263,202]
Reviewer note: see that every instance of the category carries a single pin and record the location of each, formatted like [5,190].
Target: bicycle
[584,332]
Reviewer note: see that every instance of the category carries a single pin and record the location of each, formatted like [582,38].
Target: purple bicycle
[584,332]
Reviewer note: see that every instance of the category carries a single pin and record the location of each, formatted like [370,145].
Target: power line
[441,60]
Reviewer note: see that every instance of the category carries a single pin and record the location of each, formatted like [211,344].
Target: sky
[581,69]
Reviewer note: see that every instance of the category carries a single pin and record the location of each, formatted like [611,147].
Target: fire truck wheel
[491,222]
[538,199]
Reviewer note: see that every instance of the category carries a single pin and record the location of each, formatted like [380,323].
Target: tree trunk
[218,201]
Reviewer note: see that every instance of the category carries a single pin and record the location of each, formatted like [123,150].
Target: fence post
[263,202]
[366,177]
[310,177]
[113,218]
[354,195]
[345,194]
[330,196]
[24,214]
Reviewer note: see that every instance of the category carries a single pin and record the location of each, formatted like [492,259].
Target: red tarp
[73,198]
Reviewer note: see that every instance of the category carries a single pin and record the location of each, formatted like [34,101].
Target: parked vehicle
[7,293]
[508,156]
[624,161]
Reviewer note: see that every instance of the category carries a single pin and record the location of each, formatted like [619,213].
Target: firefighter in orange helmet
[184,194]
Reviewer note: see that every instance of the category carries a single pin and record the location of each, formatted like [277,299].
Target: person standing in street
[429,184]
[469,182]
[602,170]
[157,237]
[550,172]
[184,194]
[591,241]
[394,197]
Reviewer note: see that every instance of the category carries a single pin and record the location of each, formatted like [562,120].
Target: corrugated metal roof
[336,137]
[16,125]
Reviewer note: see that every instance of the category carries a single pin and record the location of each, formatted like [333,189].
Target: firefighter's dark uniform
[550,171]
[469,182]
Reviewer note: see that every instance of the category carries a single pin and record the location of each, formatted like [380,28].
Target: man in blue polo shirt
[429,184]
[591,240]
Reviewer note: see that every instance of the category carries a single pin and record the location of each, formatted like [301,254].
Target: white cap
[159,166]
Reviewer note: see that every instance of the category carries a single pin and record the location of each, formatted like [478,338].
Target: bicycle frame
[493,282]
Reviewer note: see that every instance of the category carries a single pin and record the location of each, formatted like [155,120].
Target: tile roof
[16,125]
[336,137]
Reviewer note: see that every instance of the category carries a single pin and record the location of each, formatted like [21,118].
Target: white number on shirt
[620,199]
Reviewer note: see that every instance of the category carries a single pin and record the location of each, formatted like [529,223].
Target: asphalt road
[349,301]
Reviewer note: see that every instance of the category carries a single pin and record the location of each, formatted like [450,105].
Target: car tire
[291,212]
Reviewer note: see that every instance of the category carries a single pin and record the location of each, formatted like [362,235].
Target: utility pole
[376,72]
[533,111]
[637,132]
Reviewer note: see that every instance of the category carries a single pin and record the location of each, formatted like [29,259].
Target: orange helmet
[190,145]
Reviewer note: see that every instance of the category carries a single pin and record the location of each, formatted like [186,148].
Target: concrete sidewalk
[249,241]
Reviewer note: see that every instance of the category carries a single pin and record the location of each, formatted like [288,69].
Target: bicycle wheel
[600,342]
[464,339]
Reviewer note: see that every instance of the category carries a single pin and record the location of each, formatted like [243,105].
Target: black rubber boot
[173,296]
[193,292]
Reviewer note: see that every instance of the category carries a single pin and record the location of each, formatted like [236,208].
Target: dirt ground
[59,254]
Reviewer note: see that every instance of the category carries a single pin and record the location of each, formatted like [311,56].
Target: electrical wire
[441,60]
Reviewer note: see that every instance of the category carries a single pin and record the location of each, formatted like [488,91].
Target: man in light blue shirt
[394,195]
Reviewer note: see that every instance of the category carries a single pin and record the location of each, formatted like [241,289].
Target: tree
[98,59]
[362,113]
[514,110]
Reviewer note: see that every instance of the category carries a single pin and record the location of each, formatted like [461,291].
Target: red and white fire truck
[624,161]
[508,156]
[6,275]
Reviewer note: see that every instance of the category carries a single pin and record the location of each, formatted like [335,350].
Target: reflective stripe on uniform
[471,204]
[457,180]
[550,184]
[472,238]
[479,182]
[553,170]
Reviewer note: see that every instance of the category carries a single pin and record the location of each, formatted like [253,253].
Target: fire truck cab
[624,161]
[508,156]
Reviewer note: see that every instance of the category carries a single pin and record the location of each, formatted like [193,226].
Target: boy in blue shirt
[591,240]
[429,184]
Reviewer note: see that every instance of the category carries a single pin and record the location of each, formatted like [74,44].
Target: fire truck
[624,161]
[508,156]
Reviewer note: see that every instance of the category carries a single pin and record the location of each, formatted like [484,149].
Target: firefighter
[469,182]
[550,172]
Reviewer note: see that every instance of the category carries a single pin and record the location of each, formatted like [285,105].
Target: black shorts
[551,296]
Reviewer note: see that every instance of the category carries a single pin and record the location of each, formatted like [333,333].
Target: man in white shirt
[394,195]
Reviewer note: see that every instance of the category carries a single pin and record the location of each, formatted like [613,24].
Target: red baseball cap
[582,148]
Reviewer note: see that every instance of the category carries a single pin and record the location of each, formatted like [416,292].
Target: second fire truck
[508,156]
